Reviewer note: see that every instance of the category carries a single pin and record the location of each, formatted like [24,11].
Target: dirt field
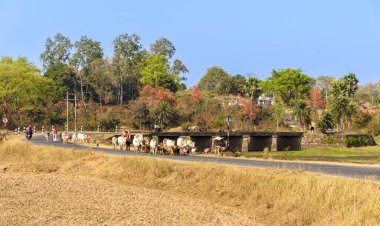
[60,199]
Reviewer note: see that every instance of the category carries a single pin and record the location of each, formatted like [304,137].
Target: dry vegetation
[271,197]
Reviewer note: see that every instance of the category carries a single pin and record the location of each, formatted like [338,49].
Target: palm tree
[303,113]
[163,113]
[252,88]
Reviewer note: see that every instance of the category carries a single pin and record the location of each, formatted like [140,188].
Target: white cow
[121,142]
[138,141]
[74,137]
[153,145]
[114,142]
[81,137]
[64,137]
[185,145]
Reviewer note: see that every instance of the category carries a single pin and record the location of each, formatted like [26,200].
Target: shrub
[355,141]
[326,122]
[374,125]
[328,140]
[361,120]
[109,123]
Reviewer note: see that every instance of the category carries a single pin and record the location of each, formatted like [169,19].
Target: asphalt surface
[358,172]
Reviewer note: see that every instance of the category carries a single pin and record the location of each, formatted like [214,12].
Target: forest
[137,88]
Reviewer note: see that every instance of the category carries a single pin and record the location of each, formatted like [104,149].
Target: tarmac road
[330,169]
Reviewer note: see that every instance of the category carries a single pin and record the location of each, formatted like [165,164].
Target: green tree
[215,80]
[342,106]
[126,60]
[57,51]
[87,51]
[163,47]
[101,74]
[303,113]
[163,113]
[326,122]
[350,85]
[288,84]
[252,88]
[27,94]
[278,113]
[155,73]
[236,84]
[63,78]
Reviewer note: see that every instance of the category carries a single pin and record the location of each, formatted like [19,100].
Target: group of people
[29,132]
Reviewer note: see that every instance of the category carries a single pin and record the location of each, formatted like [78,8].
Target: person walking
[29,132]
[55,134]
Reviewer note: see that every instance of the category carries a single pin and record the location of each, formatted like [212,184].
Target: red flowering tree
[315,101]
[196,95]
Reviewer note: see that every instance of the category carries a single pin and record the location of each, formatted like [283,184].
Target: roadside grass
[272,196]
[367,155]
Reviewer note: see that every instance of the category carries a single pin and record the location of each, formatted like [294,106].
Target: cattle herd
[141,143]
[145,143]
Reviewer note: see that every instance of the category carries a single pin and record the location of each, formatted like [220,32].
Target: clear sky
[322,37]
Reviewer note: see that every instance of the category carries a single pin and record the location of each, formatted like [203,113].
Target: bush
[328,140]
[374,125]
[361,120]
[109,124]
[326,122]
[355,141]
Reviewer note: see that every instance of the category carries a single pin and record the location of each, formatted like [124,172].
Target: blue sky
[322,37]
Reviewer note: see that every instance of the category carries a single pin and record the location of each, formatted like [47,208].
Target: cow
[146,144]
[169,146]
[114,141]
[193,129]
[121,141]
[185,145]
[64,137]
[153,146]
[138,141]
[74,137]
[81,137]
[219,145]
[3,136]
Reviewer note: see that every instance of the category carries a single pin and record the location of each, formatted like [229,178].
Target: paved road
[330,169]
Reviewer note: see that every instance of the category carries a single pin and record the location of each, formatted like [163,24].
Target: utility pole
[75,113]
[67,111]
[228,119]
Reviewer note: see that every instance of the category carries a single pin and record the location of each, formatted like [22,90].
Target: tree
[126,61]
[24,92]
[215,80]
[57,51]
[236,84]
[155,73]
[326,122]
[87,51]
[350,85]
[163,47]
[179,68]
[342,92]
[278,113]
[252,88]
[323,84]
[303,113]
[163,113]
[100,78]
[315,100]
[289,84]
[63,78]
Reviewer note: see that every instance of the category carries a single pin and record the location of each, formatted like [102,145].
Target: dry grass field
[41,185]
